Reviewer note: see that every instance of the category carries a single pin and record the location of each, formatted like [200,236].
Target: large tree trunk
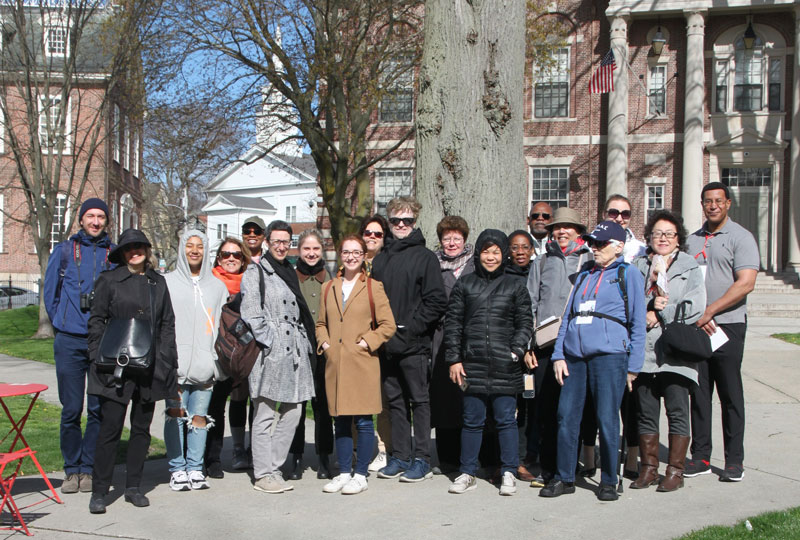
[469,114]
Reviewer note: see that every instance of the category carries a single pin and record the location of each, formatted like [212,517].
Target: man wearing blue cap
[68,290]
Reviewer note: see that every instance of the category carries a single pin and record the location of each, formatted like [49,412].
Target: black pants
[723,369]
[448,445]
[405,384]
[108,439]
[649,389]
[216,410]
[323,428]
[548,392]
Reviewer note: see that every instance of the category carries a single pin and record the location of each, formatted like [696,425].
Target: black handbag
[127,344]
[685,341]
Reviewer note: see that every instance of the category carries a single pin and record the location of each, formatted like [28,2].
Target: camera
[86,301]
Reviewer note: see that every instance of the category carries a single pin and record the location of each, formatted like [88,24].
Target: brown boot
[673,479]
[648,452]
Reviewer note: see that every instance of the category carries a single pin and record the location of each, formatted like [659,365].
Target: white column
[794,169]
[692,177]
[617,162]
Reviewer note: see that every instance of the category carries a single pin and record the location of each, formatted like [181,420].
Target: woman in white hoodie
[197,300]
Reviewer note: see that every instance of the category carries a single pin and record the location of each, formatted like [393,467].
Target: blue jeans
[505,408]
[605,375]
[344,442]
[71,354]
[194,400]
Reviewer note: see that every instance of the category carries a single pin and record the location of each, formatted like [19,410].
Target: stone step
[779,310]
[776,288]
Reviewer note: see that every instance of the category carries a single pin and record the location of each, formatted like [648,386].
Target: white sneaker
[197,480]
[463,483]
[357,484]
[336,485]
[378,463]
[508,486]
[179,481]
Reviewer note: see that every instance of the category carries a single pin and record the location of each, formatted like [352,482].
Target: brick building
[720,102]
[97,135]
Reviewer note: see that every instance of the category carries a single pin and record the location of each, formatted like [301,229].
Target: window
[135,153]
[126,145]
[56,40]
[115,132]
[295,241]
[291,214]
[59,220]
[551,91]
[747,177]
[222,231]
[391,183]
[774,96]
[657,91]
[397,103]
[722,86]
[655,199]
[748,80]
[551,185]
[2,219]
[51,134]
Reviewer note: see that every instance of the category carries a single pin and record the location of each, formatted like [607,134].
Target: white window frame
[135,153]
[115,119]
[291,214]
[55,235]
[382,196]
[401,88]
[555,202]
[126,145]
[558,73]
[652,90]
[654,195]
[2,220]
[2,124]
[295,241]
[222,231]
[54,24]
[67,125]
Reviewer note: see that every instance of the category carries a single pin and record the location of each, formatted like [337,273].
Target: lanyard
[703,252]
[597,288]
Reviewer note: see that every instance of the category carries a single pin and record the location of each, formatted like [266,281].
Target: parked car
[14,297]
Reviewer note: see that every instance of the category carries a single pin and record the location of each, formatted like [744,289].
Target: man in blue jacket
[68,290]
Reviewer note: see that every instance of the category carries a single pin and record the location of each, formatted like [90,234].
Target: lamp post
[658,42]
[749,37]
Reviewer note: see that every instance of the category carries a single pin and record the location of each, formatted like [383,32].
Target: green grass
[42,433]
[791,338]
[16,328]
[783,524]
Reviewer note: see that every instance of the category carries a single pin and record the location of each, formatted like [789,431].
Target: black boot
[297,467]
[324,469]
[97,503]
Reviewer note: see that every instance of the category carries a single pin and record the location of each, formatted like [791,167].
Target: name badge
[703,269]
[588,305]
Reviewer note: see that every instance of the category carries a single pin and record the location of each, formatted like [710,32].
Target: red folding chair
[7,483]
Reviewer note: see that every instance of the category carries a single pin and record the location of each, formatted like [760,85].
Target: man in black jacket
[413,282]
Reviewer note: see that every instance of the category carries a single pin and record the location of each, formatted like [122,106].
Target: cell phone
[529,388]
[464,384]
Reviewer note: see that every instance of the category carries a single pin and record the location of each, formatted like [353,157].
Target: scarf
[232,281]
[657,280]
[455,263]
[303,267]
[286,272]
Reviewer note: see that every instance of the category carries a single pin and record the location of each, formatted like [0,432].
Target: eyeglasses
[600,244]
[254,230]
[517,247]
[278,243]
[453,240]
[355,253]
[613,213]
[373,234]
[537,215]
[669,235]
[407,221]
[235,254]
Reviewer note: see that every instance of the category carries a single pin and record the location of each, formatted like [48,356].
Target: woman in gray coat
[675,290]
[283,373]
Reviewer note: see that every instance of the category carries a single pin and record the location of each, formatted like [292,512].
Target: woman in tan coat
[355,319]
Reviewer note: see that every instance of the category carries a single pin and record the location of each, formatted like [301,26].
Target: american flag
[602,80]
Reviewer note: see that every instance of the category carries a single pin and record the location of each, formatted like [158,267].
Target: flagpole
[650,98]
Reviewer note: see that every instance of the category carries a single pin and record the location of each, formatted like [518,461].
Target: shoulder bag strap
[483,296]
[371,303]
[577,270]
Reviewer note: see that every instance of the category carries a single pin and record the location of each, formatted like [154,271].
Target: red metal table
[17,450]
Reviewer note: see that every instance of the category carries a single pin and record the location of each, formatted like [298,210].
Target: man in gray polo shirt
[728,255]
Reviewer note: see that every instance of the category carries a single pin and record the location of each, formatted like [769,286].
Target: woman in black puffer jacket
[486,333]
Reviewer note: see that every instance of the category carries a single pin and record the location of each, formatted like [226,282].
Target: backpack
[369,295]
[236,347]
[622,271]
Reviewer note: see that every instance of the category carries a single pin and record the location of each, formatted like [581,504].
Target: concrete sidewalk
[231,508]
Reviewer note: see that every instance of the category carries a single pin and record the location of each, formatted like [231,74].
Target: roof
[256,203]
[302,168]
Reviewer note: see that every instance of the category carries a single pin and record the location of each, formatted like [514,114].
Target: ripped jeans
[194,403]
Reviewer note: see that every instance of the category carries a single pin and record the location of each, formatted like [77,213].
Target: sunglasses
[255,230]
[600,244]
[407,221]
[373,234]
[132,246]
[537,215]
[613,213]
[235,254]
